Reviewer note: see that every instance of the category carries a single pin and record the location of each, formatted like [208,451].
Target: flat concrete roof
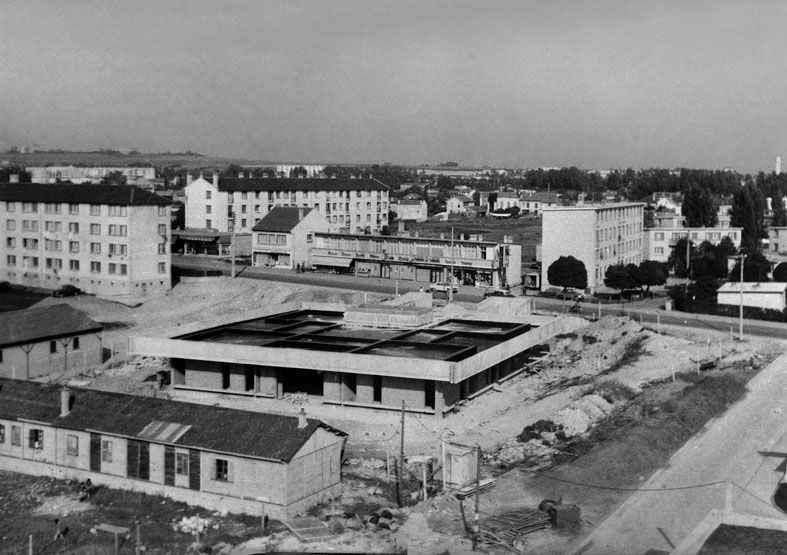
[322,330]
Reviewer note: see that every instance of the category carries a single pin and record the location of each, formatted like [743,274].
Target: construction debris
[308,529]
[484,485]
[507,529]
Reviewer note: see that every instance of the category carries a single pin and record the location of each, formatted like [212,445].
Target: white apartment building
[600,235]
[349,205]
[312,170]
[658,242]
[410,210]
[108,240]
[85,174]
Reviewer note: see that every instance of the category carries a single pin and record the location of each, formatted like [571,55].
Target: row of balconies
[478,263]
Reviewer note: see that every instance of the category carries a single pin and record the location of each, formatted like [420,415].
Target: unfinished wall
[396,390]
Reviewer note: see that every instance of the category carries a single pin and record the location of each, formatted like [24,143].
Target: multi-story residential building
[600,235]
[283,238]
[506,200]
[777,245]
[420,259]
[350,205]
[458,204]
[81,174]
[533,202]
[659,241]
[410,210]
[105,239]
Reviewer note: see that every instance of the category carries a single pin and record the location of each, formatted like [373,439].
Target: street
[723,460]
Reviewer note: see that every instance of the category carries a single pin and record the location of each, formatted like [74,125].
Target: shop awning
[332,261]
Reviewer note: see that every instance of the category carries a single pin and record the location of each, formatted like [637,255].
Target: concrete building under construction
[333,356]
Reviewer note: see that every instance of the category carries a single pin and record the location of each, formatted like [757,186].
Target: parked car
[444,286]
[498,293]
[67,291]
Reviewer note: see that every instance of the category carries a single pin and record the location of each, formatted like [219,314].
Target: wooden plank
[308,529]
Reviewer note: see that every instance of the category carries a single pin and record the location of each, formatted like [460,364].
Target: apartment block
[107,240]
[227,204]
[600,235]
[86,174]
[658,242]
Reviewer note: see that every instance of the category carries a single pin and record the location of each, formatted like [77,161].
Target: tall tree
[755,268]
[725,248]
[779,217]
[567,272]
[653,273]
[617,277]
[677,258]
[748,212]
[698,207]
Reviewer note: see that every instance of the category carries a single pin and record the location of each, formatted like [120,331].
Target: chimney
[65,402]
[302,419]
[189,179]
[13,178]
[215,179]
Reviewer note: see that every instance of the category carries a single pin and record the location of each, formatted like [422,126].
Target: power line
[616,488]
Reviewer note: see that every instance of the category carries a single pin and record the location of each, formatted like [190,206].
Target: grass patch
[731,539]
[614,391]
[631,353]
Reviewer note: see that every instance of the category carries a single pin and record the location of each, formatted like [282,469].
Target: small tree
[567,272]
[652,272]
[780,272]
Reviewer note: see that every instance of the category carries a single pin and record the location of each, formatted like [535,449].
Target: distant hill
[116,158]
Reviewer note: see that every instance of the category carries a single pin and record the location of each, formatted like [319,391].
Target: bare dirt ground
[568,387]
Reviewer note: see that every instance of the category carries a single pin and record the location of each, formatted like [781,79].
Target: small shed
[772,295]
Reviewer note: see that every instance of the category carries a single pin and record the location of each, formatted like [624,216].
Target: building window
[73,227]
[52,208]
[120,230]
[262,238]
[106,451]
[16,436]
[72,445]
[222,470]
[95,209]
[54,263]
[243,222]
[53,346]
[309,237]
[95,229]
[281,239]
[162,248]
[118,249]
[53,227]
[162,267]
[208,209]
[162,229]
[30,207]
[2,431]
[11,260]
[123,269]
[117,210]
[75,344]
[10,206]
[659,250]
[30,261]
[209,223]
[10,242]
[95,267]
[208,195]
[51,245]
[182,464]
[35,439]
[95,248]
[73,246]
[10,225]
[73,208]
[112,267]
[73,265]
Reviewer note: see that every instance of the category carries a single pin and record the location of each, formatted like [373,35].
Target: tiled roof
[39,324]
[411,202]
[211,428]
[232,184]
[540,196]
[281,219]
[462,198]
[79,193]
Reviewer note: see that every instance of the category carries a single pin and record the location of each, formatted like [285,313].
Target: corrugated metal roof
[211,428]
[79,193]
[753,287]
[38,324]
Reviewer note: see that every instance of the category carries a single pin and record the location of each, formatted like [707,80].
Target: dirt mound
[582,414]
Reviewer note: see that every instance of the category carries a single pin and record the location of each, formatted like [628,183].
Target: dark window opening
[249,374]
[463,389]
[429,393]
[377,385]
[297,380]
[225,376]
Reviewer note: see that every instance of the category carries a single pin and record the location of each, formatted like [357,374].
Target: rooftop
[753,287]
[588,206]
[213,428]
[31,325]
[315,330]
[232,184]
[81,193]
[281,219]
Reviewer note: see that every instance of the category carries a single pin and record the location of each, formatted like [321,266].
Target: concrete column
[439,401]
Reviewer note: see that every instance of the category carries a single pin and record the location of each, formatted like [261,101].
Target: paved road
[727,452]
[372,285]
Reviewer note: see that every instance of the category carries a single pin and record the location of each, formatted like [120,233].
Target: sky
[525,83]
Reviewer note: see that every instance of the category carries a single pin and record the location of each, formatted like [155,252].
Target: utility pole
[451,277]
[740,314]
[400,470]
[476,529]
